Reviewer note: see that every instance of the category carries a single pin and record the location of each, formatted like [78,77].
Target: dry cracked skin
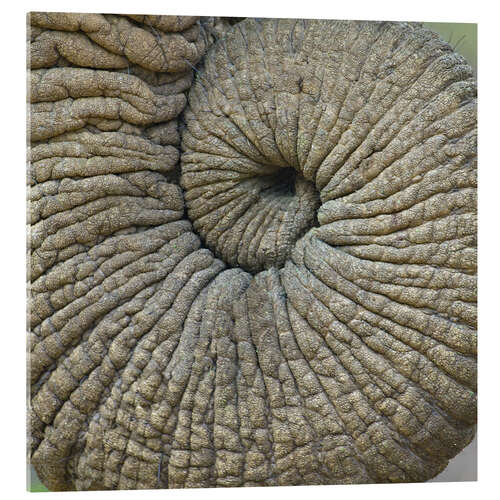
[295,303]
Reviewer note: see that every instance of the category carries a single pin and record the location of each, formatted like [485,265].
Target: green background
[461,36]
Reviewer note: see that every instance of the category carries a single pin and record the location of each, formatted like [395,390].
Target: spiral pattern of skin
[303,310]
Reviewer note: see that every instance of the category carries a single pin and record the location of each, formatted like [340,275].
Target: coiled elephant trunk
[292,300]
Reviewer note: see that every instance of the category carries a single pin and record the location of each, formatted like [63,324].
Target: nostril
[252,221]
[282,183]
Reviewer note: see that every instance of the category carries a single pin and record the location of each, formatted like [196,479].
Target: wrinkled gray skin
[295,303]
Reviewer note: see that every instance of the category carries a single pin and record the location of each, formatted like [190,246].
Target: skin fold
[252,252]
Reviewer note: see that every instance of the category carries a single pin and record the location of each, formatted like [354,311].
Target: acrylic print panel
[252,251]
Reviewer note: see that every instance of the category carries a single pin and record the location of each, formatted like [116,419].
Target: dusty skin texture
[303,310]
